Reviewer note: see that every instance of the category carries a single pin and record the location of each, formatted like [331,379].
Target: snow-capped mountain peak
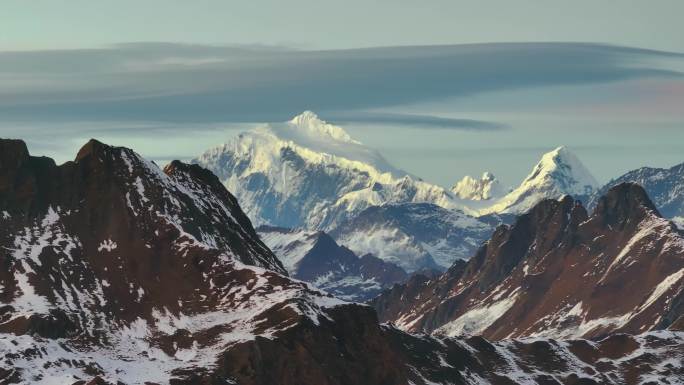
[309,173]
[308,122]
[558,173]
[487,187]
[565,168]
[311,137]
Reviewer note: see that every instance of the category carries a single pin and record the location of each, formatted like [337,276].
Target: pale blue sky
[339,24]
[74,70]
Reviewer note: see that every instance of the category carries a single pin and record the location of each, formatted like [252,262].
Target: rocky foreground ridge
[115,271]
[557,272]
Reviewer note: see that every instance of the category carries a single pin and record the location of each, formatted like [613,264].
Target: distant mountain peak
[563,166]
[314,256]
[307,118]
[559,172]
[309,123]
[309,173]
[487,187]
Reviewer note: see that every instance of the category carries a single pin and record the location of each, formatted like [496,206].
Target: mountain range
[310,174]
[557,272]
[115,271]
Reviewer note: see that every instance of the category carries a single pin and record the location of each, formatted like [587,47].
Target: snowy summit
[558,173]
[309,173]
[485,188]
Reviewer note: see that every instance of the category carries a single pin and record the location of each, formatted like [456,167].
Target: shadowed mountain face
[417,235]
[313,256]
[557,272]
[114,271]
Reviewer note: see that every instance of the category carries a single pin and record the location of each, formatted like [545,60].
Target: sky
[441,88]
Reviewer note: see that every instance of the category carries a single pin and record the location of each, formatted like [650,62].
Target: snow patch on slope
[679,222]
[476,320]
[662,288]
[132,354]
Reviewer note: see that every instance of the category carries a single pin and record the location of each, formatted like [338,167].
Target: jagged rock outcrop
[557,272]
[113,271]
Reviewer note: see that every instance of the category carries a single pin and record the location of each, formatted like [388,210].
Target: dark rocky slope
[112,271]
[557,272]
[113,267]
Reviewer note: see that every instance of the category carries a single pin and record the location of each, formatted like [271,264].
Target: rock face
[558,173]
[113,271]
[485,188]
[557,272]
[664,186]
[115,268]
[654,357]
[313,256]
[416,235]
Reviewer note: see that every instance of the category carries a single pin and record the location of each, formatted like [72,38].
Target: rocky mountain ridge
[556,272]
[115,272]
[314,256]
[307,173]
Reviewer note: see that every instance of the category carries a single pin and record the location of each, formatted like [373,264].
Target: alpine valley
[294,254]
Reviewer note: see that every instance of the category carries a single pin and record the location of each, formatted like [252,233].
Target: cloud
[413,120]
[203,84]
